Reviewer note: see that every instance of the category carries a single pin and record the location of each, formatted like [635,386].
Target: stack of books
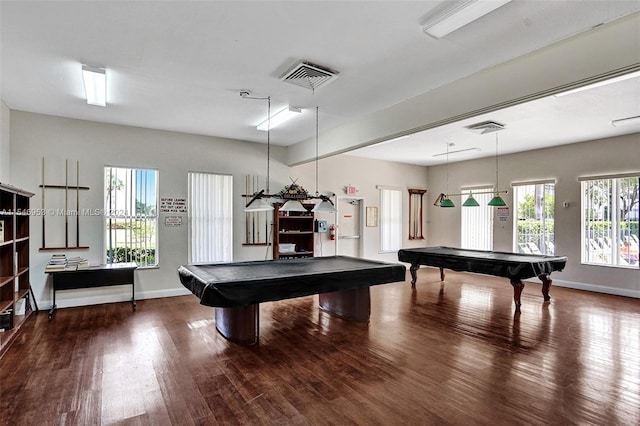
[58,262]
[75,263]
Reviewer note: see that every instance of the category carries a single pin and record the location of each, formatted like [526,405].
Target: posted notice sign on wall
[503,213]
[173,205]
[172,221]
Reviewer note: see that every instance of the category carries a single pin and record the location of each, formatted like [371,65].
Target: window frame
[608,246]
[127,211]
[548,248]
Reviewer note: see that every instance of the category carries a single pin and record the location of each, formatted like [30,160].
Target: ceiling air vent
[309,76]
[485,127]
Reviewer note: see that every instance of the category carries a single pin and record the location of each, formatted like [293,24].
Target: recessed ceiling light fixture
[459,151]
[279,118]
[599,84]
[626,121]
[95,85]
[461,14]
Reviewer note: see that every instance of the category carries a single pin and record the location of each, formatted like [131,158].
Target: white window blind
[534,212]
[390,219]
[131,216]
[477,222]
[210,217]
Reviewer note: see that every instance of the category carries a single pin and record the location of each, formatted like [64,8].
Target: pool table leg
[546,285]
[414,274]
[518,286]
[352,304]
[441,274]
[239,324]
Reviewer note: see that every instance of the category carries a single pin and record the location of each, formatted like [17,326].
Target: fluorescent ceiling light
[456,152]
[626,121]
[462,14]
[95,85]
[279,118]
[599,84]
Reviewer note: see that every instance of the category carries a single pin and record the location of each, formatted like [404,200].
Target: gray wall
[564,164]
[5,117]
[94,145]
[335,173]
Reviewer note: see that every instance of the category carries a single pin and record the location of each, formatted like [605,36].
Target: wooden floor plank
[442,353]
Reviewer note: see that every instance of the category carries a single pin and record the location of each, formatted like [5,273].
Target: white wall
[564,164]
[94,145]
[5,169]
[337,172]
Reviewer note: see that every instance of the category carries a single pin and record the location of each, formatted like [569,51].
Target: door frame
[361,216]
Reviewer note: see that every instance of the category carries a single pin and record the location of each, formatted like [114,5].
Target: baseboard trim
[593,288]
[114,298]
[97,300]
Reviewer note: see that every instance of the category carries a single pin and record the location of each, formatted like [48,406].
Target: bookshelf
[16,297]
[293,228]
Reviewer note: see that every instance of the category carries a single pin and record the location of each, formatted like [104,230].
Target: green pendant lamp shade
[470,202]
[497,201]
[446,202]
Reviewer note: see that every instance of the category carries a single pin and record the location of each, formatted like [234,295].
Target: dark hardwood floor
[440,354]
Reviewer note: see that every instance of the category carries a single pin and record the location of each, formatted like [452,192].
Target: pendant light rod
[496,162]
[268,139]
[325,204]
[257,198]
[448,166]
[458,194]
[317,193]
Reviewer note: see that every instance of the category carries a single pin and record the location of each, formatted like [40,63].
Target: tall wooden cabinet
[293,233]
[15,288]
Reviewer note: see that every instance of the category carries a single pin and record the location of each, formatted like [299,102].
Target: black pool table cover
[235,284]
[515,266]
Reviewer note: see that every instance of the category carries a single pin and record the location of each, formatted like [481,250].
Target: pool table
[236,289]
[515,266]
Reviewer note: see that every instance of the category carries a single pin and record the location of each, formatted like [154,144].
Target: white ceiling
[180,66]
[542,123]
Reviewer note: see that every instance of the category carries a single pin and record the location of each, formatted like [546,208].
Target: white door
[349,231]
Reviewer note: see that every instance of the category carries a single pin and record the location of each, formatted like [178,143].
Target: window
[210,217]
[390,219]
[534,212]
[477,222]
[131,216]
[610,220]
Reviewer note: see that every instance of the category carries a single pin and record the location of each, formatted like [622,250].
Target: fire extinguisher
[332,232]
